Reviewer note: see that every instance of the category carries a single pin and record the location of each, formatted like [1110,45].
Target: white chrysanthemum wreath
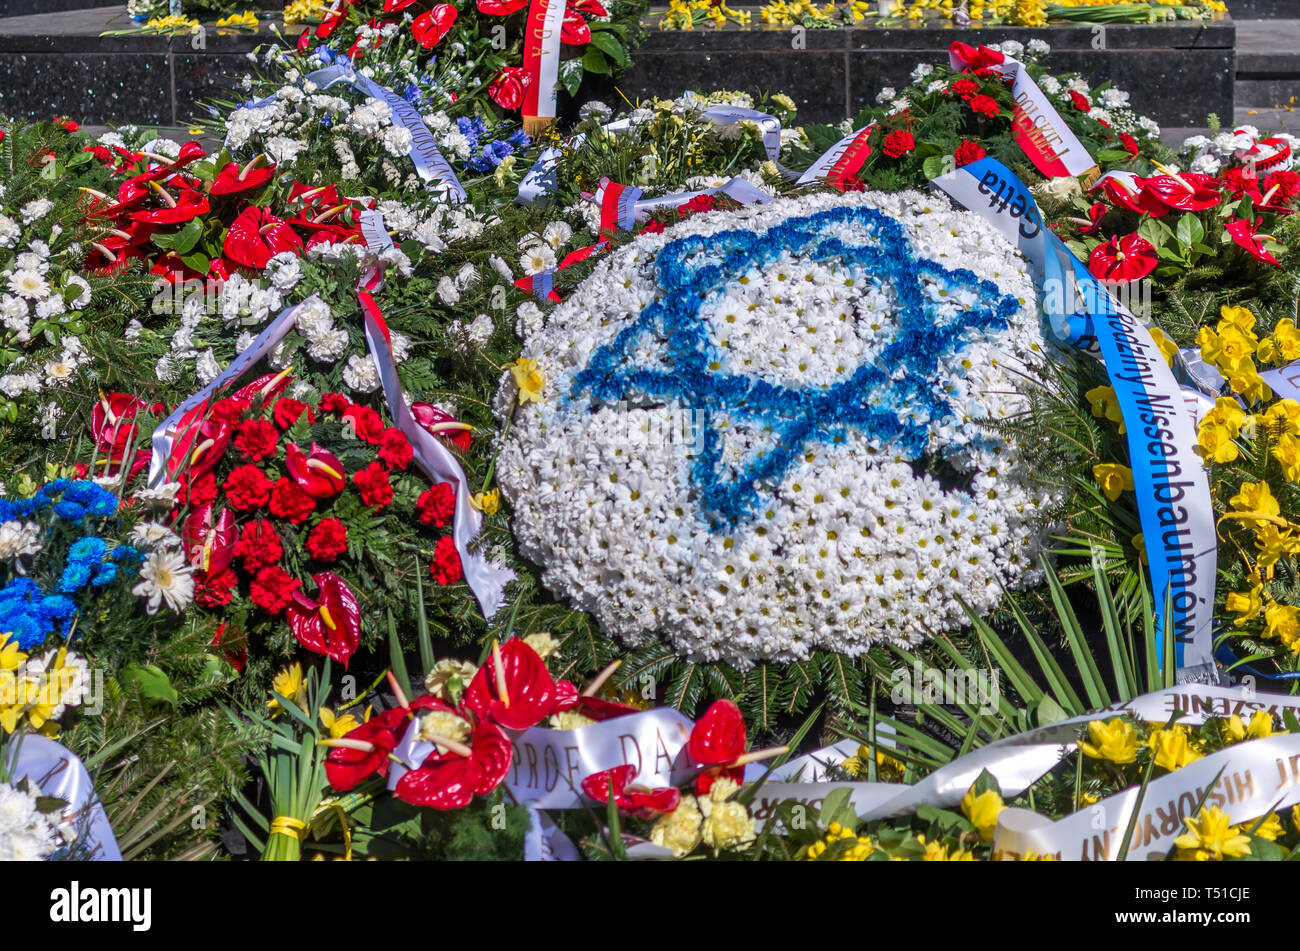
[758,434]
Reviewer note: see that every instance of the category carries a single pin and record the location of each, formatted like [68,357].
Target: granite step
[1268,62]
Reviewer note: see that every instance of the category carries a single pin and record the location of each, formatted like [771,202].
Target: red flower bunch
[968,152]
[446,568]
[1080,101]
[372,482]
[247,487]
[256,439]
[436,505]
[968,89]
[327,540]
[898,143]
[984,106]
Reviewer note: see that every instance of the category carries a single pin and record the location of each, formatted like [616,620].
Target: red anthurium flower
[442,424]
[566,696]
[365,750]
[507,89]
[1092,223]
[263,388]
[631,800]
[111,422]
[396,6]
[129,197]
[1123,259]
[717,742]
[431,26]
[452,779]
[1187,192]
[257,235]
[172,269]
[209,543]
[330,625]
[304,39]
[600,709]
[1126,192]
[1246,235]
[234,178]
[573,29]
[319,474]
[501,8]
[210,444]
[319,196]
[513,688]
[105,260]
[976,58]
[591,7]
[190,204]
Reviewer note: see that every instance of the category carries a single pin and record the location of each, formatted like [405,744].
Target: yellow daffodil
[338,726]
[1245,604]
[1284,417]
[1270,828]
[1282,621]
[1260,726]
[1237,318]
[1139,542]
[1257,499]
[1272,543]
[1114,741]
[982,811]
[11,658]
[1244,380]
[1105,405]
[1210,837]
[530,380]
[1214,443]
[1286,341]
[288,683]
[1113,478]
[1172,747]
[489,502]
[1287,452]
[1168,349]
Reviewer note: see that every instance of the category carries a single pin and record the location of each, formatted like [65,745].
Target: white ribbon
[52,770]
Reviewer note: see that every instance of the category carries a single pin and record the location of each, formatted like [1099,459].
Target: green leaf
[593,61]
[610,45]
[153,683]
[571,75]
[197,261]
[932,167]
[1189,230]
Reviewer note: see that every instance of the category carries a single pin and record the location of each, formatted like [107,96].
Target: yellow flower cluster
[679,830]
[727,823]
[685,14]
[938,852]
[888,769]
[529,379]
[835,832]
[1173,748]
[1211,836]
[301,11]
[1232,346]
[246,19]
[1114,741]
[982,811]
[790,12]
[35,691]
[1029,13]
[1113,478]
[175,23]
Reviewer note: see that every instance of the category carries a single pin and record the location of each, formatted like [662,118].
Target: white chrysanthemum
[18,539]
[154,535]
[360,375]
[29,284]
[82,299]
[853,542]
[9,232]
[26,835]
[537,258]
[165,576]
[35,210]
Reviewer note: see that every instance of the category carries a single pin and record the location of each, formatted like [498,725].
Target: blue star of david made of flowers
[869,400]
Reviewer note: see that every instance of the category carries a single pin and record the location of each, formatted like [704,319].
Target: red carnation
[395,449]
[446,567]
[898,143]
[228,410]
[215,591]
[698,204]
[287,411]
[372,483]
[291,502]
[256,438]
[273,589]
[1129,143]
[333,403]
[197,492]
[1080,101]
[966,88]
[366,422]
[327,540]
[1286,182]
[984,106]
[436,506]
[968,152]
[259,545]
[247,487]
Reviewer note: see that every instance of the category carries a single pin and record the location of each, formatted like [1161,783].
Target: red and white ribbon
[542,63]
